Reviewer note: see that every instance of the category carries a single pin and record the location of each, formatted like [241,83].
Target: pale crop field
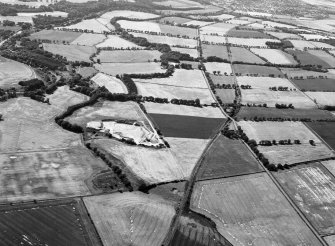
[276,24]
[322,98]
[180,4]
[128,14]
[284,35]
[130,218]
[116,42]
[257,214]
[198,23]
[330,165]
[222,17]
[54,35]
[91,25]
[128,56]
[308,36]
[212,39]
[238,22]
[250,42]
[89,39]
[323,55]
[54,14]
[144,26]
[129,68]
[293,72]
[301,44]
[180,78]
[112,84]
[106,23]
[172,41]
[71,52]
[264,82]
[322,45]
[192,52]
[275,56]
[218,66]
[18,19]
[149,164]
[171,92]
[217,29]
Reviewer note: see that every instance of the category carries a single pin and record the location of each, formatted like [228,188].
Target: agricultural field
[217,29]
[37,224]
[238,22]
[128,56]
[276,25]
[116,42]
[312,188]
[315,84]
[275,56]
[112,84]
[222,17]
[223,68]
[284,35]
[174,20]
[213,39]
[320,45]
[240,54]
[130,218]
[250,42]
[326,130]
[128,14]
[323,55]
[192,52]
[180,4]
[314,37]
[172,92]
[89,39]
[322,98]
[17,19]
[12,72]
[298,73]
[302,44]
[215,50]
[255,70]
[257,214]
[198,23]
[222,80]
[264,82]
[180,78]
[71,52]
[227,157]
[86,72]
[90,25]
[129,68]
[226,95]
[54,35]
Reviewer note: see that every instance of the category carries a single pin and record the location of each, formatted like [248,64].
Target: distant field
[322,98]
[264,82]
[91,25]
[215,50]
[312,188]
[129,14]
[128,56]
[112,84]
[71,52]
[227,158]
[130,218]
[326,130]
[116,42]
[250,42]
[89,39]
[294,73]
[224,68]
[257,70]
[226,95]
[244,55]
[128,68]
[323,55]
[217,29]
[302,44]
[222,80]
[187,126]
[246,34]
[275,56]
[251,209]
[53,35]
[315,84]
[283,35]
[306,58]
[179,4]
[174,19]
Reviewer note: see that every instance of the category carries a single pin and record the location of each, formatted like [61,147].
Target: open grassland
[171,92]
[227,158]
[322,98]
[326,130]
[112,84]
[180,126]
[275,56]
[187,152]
[114,69]
[217,29]
[54,35]
[89,39]
[180,78]
[226,95]
[215,50]
[312,188]
[306,59]
[223,68]
[175,109]
[107,110]
[257,70]
[37,224]
[128,14]
[264,82]
[222,80]
[116,42]
[71,52]
[263,96]
[249,113]
[323,55]
[284,35]
[244,55]
[315,84]
[91,25]
[246,33]
[130,218]
[251,210]
[128,56]
[12,72]
[250,42]
[151,165]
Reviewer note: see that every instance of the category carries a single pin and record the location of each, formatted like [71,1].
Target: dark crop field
[46,224]
[226,158]
[187,126]
[306,58]
[257,70]
[315,84]
[247,34]
[215,50]
[249,113]
[326,130]
[240,54]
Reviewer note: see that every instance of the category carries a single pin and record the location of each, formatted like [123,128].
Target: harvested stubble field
[226,95]
[116,42]
[107,110]
[257,70]
[215,50]
[89,39]
[128,14]
[244,55]
[180,78]
[312,188]
[112,84]
[323,55]
[187,126]
[224,68]
[12,72]
[249,113]
[129,56]
[92,25]
[306,59]
[326,130]
[315,84]
[247,34]
[322,98]
[227,158]
[37,224]
[149,164]
[275,56]
[258,214]
[187,152]
[130,218]
[171,92]
[54,35]
[222,80]
[129,68]
[71,52]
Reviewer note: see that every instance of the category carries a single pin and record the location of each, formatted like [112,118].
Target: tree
[1,117]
